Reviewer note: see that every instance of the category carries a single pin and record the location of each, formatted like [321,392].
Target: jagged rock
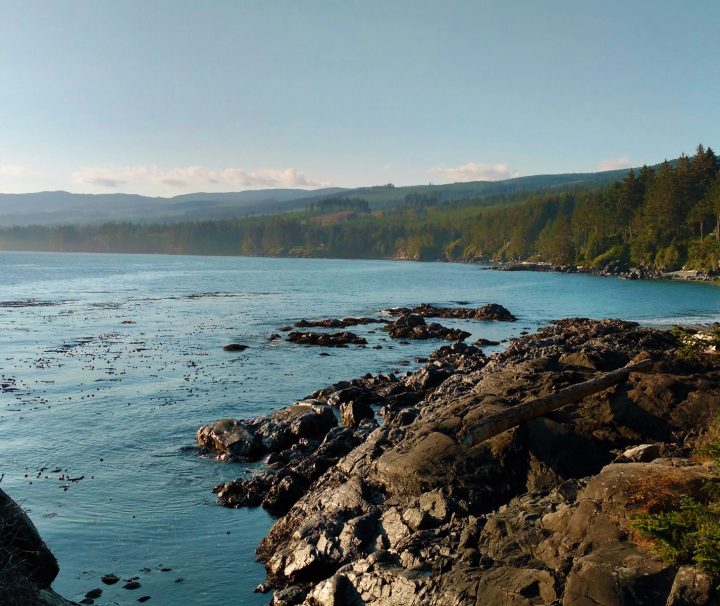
[535,515]
[615,575]
[336,591]
[350,394]
[691,587]
[353,412]
[644,453]
[326,339]
[429,376]
[362,585]
[413,326]
[290,596]
[337,323]
[277,491]
[227,438]
[294,426]
[492,311]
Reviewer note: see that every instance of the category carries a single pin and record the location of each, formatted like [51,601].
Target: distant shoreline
[625,273]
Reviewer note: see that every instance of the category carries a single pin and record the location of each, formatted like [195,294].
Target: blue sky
[166,97]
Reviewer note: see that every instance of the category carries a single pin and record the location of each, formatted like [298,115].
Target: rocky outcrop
[413,326]
[326,339]
[535,515]
[337,323]
[295,459]
[292,471]
[27,567]
[291,427]
[614,268]
[490,312]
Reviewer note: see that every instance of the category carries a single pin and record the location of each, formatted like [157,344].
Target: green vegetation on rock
[689,532]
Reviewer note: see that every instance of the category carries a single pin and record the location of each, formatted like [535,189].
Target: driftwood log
[515,415]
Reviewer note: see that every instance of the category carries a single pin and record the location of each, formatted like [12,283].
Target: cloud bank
[615,163]
[473,172]
[14,170]
[195,177]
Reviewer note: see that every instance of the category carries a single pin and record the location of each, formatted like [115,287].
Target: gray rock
[644,453]
[691,587]
[27,566]
[353,412]
[227,438]
[290,596]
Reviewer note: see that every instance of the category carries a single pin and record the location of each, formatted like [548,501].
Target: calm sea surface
[110,363]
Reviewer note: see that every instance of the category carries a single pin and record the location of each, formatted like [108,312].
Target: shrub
[689,531]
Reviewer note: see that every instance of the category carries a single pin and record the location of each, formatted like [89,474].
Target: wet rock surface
[338,322]
[403,514]
[251,439]
[326,339]
[413,326]
[490,312]
[27,566]
[235,347]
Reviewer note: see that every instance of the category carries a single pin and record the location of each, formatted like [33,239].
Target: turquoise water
[118,403]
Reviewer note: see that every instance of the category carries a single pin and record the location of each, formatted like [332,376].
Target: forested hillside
[664,217]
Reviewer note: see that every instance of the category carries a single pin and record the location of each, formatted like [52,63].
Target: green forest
[665,217]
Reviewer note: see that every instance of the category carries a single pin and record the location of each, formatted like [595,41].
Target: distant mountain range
[61,207]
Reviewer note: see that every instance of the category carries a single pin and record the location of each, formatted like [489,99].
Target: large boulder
[353,412]
[227,438]
[27,566]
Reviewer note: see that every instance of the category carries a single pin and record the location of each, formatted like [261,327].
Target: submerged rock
[235,347]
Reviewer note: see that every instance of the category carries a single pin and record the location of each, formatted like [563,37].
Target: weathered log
[515,415]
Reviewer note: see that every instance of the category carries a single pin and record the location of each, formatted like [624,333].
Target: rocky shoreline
[614,268]
[379,503]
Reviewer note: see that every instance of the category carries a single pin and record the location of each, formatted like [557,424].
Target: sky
[164,97]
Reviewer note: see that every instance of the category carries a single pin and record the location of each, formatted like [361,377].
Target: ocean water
[110,363]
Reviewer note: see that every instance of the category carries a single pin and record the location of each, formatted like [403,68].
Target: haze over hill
[63,208]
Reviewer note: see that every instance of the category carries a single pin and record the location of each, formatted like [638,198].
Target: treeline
[664,217]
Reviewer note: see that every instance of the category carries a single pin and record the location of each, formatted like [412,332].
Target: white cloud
[473,172]
[615,163]
[195,177]
[14,170]
[112,177]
